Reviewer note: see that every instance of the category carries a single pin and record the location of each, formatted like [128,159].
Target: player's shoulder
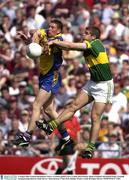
[59,37]
[96,42]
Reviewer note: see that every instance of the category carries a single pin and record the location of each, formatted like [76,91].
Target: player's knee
[95,117]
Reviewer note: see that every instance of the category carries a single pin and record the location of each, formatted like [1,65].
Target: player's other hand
[21,35]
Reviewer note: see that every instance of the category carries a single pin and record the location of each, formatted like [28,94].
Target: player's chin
[50,34]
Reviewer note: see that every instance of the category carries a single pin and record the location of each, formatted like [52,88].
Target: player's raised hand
[23,37]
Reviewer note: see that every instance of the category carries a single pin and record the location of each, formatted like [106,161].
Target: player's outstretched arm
[69,45]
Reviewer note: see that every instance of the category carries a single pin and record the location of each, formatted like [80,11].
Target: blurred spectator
[34,20]
[5,25]
[4,74]
[47,22]
[125,89]
[5,97]
[62,96]
[125,72]
[110,149]
[119,105]
[21,69]
[17,22]
[67,36]
[95,20]
[47,10]
[115,30]
[122,52]
[85,135]
[62,8]
[14,111]
[14,128]
[24,122]
[85,118]
[14,87]
[71,87]
[6,54]
[126,34]
[119,99]
[2,143]
[125,15]
[125,121]
[115,71]
[9,9]
[19,18]
[107,12]
[23,100]
[5,122]
[103,132]
[82,16]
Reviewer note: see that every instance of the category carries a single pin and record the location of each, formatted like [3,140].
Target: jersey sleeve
[95,47]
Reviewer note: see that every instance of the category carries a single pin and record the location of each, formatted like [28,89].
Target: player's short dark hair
[58,23]
[95,31]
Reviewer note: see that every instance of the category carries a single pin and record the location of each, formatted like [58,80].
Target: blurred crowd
[19,75]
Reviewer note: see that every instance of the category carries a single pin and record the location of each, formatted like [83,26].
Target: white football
[33,50]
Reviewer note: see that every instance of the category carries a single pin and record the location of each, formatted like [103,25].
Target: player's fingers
[19,33]
[22,35]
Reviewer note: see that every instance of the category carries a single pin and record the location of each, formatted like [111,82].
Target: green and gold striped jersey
[97,61]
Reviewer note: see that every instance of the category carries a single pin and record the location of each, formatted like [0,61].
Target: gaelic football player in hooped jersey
[98,90]
[49,81]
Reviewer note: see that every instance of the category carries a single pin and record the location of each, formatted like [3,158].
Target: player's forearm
[35,37]
[70,45]
[78,137]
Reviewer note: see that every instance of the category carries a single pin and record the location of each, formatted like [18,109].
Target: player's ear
[58,31]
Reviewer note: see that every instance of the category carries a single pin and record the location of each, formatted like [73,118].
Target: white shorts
[101,91]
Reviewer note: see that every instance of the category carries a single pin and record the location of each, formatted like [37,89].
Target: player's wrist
[91,145]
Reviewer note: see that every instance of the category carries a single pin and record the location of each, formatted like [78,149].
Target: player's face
[87,35]
[53,30]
